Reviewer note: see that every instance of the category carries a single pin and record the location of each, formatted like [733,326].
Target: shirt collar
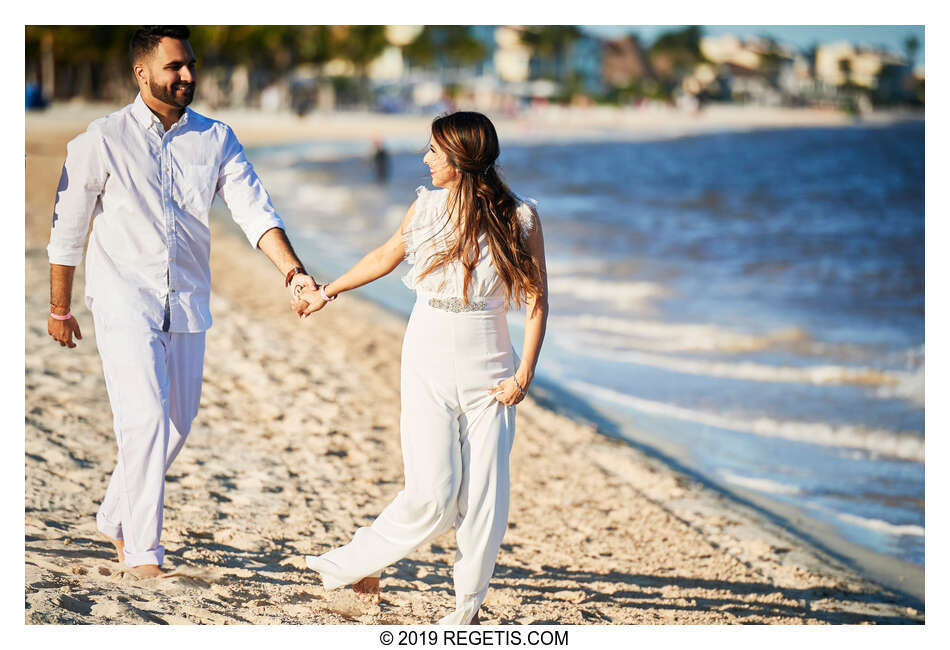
[144,115]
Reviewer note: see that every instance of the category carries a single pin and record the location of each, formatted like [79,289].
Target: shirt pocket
[200,184]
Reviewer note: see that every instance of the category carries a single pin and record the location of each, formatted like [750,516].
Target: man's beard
[172,98]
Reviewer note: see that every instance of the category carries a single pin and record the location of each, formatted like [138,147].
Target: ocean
[748,303]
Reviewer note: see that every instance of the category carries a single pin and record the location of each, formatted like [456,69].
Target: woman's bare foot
[142,571]
[146,571]
[119,547]
[368,586]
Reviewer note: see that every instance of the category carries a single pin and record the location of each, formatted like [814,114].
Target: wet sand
[297,444]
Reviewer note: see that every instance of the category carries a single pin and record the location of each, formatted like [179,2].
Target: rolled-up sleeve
[243,192]
[82,181]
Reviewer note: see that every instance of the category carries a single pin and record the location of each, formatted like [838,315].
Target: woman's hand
[508,392]
[306,301]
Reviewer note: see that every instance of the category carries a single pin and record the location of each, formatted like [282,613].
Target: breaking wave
[904,445]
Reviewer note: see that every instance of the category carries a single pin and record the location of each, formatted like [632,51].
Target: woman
[474,249]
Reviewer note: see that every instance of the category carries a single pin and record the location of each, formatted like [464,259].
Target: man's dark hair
[146,38]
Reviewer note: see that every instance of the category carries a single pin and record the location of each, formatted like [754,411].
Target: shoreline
[781,519]
[546,124]
[293,449]
[902,576]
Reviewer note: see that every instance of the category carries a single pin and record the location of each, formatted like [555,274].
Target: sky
[891,37]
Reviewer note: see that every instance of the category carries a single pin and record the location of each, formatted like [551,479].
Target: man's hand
[298,284]
[60,290]
[276,246]
[63,330]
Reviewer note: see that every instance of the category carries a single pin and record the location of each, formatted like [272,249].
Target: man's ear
[139,71]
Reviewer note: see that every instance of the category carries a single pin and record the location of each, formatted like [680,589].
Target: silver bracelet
[323,292]
[523,391]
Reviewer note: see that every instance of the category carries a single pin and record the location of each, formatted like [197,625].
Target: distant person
[380,161]
[148,174]
[301,100]
[34,97]
[474,248]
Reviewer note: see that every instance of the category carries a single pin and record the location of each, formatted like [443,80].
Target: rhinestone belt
[457,305]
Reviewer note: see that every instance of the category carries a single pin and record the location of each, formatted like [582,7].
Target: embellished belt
[457,305]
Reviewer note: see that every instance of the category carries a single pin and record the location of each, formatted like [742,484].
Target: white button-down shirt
[149,192]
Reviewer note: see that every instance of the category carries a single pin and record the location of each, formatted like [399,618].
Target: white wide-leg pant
[154,383]
[456,439]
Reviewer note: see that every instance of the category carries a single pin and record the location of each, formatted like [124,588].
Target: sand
[539,124]
[297,444]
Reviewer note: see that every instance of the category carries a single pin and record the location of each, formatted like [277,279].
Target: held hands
[308,301]
[63,330]
[509,392]
[298,284]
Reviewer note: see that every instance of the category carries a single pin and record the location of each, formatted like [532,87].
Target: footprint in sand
[122,612]
[181,579]
[125,575]
[77,605]
[347,605]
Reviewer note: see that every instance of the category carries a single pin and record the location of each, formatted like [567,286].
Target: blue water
[753,302]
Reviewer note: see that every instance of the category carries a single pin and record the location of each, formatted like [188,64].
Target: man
[148,174]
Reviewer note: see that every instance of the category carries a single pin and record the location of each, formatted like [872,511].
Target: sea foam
[904,445]
[759,484]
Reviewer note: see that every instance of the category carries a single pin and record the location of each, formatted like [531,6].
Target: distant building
[840,63]
[584,64]
[577,67]
[625,61]
[512,58]
[795,79]
[748,85]
[729,49]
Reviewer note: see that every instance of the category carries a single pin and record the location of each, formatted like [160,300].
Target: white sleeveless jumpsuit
[456,437]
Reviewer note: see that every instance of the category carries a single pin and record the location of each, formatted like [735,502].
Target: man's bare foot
[119,547]
[146,571]
[368,586]
[475,620]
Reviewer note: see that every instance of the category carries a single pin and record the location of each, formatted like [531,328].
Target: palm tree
[86,57]
[445,44]
[679,48]
[911,45]
[358,44]
[550,43]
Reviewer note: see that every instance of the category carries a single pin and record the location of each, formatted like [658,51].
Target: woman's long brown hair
[482,201]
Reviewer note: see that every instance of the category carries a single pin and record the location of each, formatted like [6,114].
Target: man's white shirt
[149,192]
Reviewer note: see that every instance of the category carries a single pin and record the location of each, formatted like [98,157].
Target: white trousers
[456,439]
[154,384]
